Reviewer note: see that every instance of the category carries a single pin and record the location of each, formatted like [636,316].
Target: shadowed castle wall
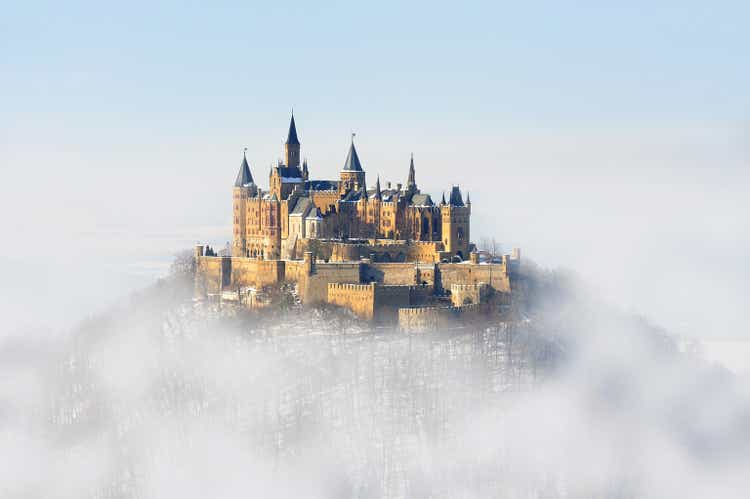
[370,301]
[315,287]
[467,294]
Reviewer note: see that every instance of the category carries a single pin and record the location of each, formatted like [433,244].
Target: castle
[278,222]
[384,253]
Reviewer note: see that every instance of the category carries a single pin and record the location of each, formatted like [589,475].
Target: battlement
[467,294]
[421,319]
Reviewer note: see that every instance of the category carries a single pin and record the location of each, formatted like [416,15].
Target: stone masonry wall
[208,275]
[419,320]
[467,273]
[316,285]
[359,298]
[467,294]
[256,273]
[390,273]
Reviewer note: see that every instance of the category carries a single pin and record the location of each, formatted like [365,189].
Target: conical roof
[292,137]
[243,177]
[456,199]
[378,194]
[410,181]
[352,163]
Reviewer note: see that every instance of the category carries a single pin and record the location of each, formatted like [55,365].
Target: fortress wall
[208,275]
[467,273]
[420,320]
[419,295]
[466,294]
[359,298]
[427,318]
[390,273]
[295,270]
[315,288]
[424,251]
[341,252]
[388,299]
[256,273]
[384,250]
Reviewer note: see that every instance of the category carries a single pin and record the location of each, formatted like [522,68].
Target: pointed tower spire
[292,136]
[244,177]
[442,201]
[468,199]
[378,194]
[352,163]
[291,147]
[411,183]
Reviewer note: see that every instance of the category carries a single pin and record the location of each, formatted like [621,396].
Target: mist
[161,397]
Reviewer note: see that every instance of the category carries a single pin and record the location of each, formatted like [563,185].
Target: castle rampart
[468,294]
[495,275]
[359,298]
[421,319]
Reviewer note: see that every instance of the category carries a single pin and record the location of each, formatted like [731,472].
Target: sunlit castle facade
[281,222]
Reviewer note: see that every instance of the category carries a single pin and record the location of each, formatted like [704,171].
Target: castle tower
[244,188]
[284,179]
[291,147]
[352,175]
[455,217]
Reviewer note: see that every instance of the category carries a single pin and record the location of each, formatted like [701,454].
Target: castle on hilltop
[385,253]
[278,222]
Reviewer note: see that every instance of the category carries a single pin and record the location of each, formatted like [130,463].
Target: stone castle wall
[315,289]
[390,273]
[388,299]
[359,298]
[371,289]
[467,294]
[382,250]
[467,273]
[418,320]
[256,273]
[370,301]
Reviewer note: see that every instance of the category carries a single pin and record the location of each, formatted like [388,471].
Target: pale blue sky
[609,139]
[485,63]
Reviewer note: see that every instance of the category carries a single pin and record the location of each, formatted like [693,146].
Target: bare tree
[490,246]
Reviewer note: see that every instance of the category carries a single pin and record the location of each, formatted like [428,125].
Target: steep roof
[411,181]
[301,207]
[292,137]
[352,163]
[456,199]
[243,177]
[353,196]
[377,194]
[315,214]
[289,172]
[422,200]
